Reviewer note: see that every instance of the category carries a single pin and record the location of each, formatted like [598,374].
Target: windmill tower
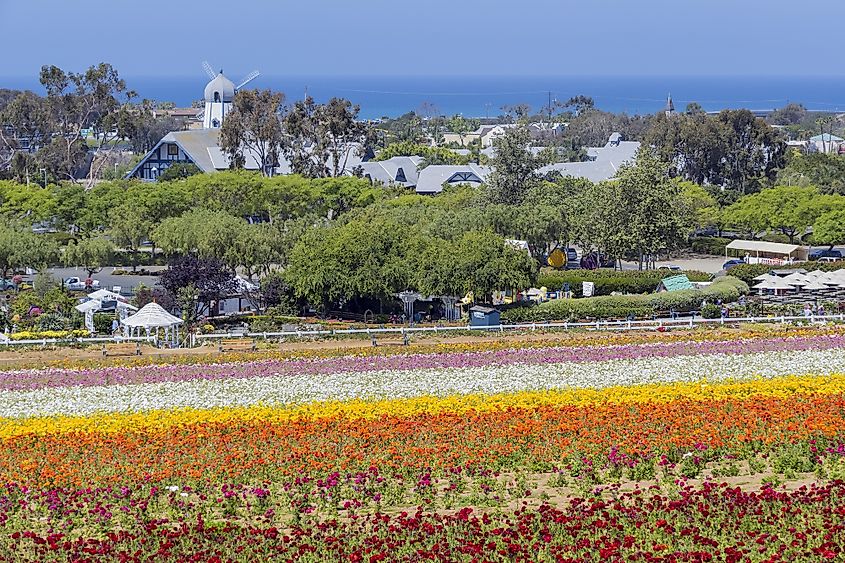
[219,95]
[670,107]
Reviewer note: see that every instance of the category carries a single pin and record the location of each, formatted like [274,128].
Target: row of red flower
[707,523]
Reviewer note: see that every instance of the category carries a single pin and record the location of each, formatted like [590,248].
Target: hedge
[608,281]
[726,289]
[747,272]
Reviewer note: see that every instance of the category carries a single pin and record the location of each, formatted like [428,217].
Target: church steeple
[670,106]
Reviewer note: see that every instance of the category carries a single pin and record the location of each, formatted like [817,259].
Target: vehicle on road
[732,263]
[826,253]
[78,284]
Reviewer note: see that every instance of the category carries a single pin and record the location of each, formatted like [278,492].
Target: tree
[733,149]
[790,114]
[21,248]
[90,253]
[253,125]
[830,228]
[462,126]
[789,209]
[485,264]
[27,126]
[515,168]
[210,278]
[636,216]
[702,206]
[80,101]
[823,170]
[130,227]
[321,138]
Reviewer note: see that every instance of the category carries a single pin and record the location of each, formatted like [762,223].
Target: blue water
[478,96]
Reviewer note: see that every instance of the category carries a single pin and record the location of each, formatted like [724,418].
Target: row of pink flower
[35,379]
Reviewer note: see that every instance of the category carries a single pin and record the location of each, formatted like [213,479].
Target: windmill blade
[209,70]
[249,78]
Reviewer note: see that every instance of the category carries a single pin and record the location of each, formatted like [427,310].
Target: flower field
[695,447]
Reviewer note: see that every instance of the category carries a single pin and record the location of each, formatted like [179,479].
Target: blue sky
[428,37]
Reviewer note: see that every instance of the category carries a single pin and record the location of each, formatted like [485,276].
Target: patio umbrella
[795,279]
[764,277]
[774,283]
[814,285]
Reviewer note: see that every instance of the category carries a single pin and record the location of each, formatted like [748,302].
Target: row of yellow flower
[162,420]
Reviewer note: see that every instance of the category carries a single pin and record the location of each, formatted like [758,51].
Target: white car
[77,284]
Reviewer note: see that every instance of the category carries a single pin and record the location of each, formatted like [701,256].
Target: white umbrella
[814,274]
[814,285]
[774,283]
[764,277]
[795,279]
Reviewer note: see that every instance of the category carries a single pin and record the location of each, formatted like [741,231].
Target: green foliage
[829,228]
[710,245]
[726,289]
[608,281]
[824,170]
[178,171]
[90,253]
[711,311]
[790,210]
[102,323]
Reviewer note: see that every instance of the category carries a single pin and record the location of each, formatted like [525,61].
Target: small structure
[674,283]
[484,316]
[769,253]
[152,318]
[103,300]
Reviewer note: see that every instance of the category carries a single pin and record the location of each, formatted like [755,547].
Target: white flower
[172,488]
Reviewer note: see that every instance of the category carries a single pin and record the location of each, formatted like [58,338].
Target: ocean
[480,96]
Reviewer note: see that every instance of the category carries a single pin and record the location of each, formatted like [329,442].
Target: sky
[427,37]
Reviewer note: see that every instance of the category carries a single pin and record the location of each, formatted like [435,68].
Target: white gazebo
[151,318]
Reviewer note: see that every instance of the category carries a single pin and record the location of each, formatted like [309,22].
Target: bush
[51,321]
[711,311]
[726,290]
[612,281]
[710,245]
[102,323]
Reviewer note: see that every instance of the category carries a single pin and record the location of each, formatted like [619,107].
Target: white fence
[654,324]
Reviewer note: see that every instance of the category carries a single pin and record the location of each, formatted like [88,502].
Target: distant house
[432,178]
[827,143]
[603,162]
[399,170]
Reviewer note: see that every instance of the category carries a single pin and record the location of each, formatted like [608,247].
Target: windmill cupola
[220,89]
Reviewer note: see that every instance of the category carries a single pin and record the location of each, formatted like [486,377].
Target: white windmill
[219,94]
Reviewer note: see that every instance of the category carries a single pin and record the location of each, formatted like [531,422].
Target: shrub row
[608,281]
[747,272]
[727,289]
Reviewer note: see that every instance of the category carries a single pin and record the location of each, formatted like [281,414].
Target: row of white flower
[399,384]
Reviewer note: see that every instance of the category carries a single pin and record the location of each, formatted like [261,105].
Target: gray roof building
[432,178]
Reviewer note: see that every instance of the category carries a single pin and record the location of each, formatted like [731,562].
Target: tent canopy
[152,315]
[763,246]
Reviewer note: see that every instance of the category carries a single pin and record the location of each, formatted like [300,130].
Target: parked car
[572,259]
[671,267]
[77,284]
[732,263]
[826,253]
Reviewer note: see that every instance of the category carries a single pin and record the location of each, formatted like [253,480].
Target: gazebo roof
[152,315]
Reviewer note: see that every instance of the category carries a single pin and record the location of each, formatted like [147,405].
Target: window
[217,96]
[172,150]
[215,123]
[400,176]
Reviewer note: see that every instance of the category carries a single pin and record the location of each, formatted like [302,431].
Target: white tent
[774,283]
[152,317]
[815,285]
